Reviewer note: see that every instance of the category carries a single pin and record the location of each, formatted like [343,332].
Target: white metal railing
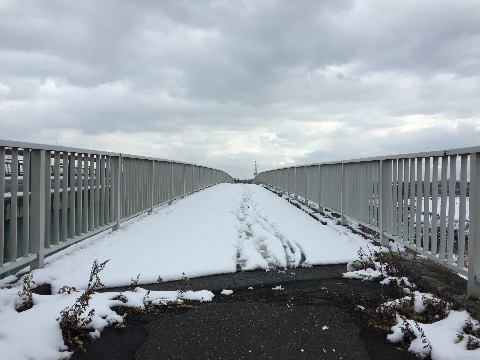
[430,202]
[61,195]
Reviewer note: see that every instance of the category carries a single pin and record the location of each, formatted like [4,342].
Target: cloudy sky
[227,83]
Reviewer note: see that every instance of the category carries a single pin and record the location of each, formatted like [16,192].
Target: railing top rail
[156,159]
[457,151]
[35,146]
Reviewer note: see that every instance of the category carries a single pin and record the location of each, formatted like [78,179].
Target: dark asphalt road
[261,323]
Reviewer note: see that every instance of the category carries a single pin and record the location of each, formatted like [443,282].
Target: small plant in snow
[73,319]
[472,330]
[134,283]
[147,303]
[412,337]
[382,265]
[367,267]
[26,294]
[398,268]
[473,343]
[184,283]
[384,316]
[365,260]
[426,344]
[121,297]
[67,289]
[416,306]
[408,333]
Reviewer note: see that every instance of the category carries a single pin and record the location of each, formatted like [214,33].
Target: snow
[444,339]
[419,301]
[5,281]
[364,274]
[397,248]
[201,235]
[212,231]
[274,233]
[404,281]
[209,232]
[18,328]
[227,292]
[442,336]
[196,236]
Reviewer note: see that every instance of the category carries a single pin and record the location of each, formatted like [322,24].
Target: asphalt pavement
[315,315]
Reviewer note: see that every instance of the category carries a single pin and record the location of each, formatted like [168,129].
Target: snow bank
[35,333]
[443,340]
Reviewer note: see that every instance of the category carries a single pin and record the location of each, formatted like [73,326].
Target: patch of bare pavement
[303,313]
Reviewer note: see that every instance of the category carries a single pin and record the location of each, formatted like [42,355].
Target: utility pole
[255,172]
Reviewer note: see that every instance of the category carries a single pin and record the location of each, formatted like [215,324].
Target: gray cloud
[227,83]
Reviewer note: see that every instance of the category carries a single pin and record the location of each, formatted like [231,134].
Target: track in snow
[260,243]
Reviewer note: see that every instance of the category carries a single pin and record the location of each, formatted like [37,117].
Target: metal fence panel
[422,200]
[55,196]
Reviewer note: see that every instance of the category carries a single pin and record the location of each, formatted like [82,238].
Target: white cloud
[227,84]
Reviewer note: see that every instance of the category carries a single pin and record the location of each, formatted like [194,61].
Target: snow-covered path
[222,229]
[218,230]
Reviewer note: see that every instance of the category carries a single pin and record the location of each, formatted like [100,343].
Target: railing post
[184,181]
[434,242]
[382,201]
[418,207]
[171,183]
[406,188]
[306,186]
[79,211]
[474,236]
[343,198]
[37,209]
[452,182]
[85,194]
[288,184]
[152,194]
[426,245]
[48,207]
[64,234]
[26,201]
[411,224]
[91,197]
[56,198]
[393,216]
[320,207]
[2,203]
[72,230]
[13,206]
[97,191]
[117,191]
